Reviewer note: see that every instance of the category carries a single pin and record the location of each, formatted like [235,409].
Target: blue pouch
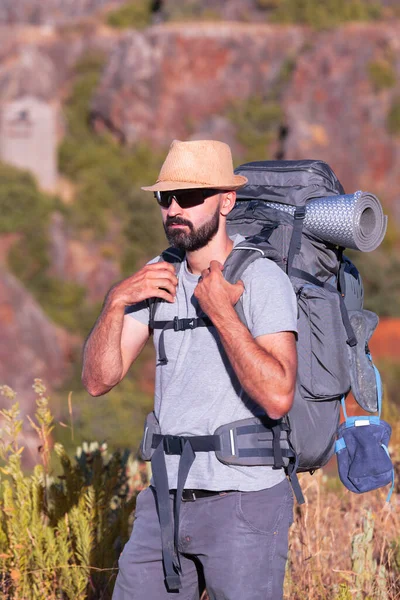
[364,462]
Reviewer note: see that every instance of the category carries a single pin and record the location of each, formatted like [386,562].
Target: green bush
[380,272]
[393,118]
[381,74]
[61,532]
[322,14]
[27,211]
[257,121]
[268,4]
[22,206]
[136,14]
[108,178]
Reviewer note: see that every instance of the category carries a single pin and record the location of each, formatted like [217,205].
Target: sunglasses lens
[164,199]
[185,198]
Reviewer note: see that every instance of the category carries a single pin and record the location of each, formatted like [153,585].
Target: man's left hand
[214,293]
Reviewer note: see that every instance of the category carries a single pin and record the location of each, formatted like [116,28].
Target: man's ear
[229,199]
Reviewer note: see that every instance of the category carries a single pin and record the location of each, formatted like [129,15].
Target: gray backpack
[333,328]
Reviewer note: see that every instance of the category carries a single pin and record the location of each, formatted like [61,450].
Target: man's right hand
[156,280]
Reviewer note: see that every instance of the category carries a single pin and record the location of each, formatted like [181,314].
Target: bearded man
[202,522]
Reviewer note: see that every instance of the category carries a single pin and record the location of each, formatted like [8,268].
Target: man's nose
[174,208]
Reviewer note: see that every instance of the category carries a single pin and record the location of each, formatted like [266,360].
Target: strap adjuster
[182,324]
[300,213]
[173,444]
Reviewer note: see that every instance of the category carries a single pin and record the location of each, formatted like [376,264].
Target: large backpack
[320,274]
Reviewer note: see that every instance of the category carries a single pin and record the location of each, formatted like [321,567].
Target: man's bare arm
[116,340]
[266,367]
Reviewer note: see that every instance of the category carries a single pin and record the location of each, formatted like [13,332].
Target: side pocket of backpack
[323,364]
[362,374]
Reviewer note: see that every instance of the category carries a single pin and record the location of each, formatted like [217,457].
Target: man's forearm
[262,376]
[102,359]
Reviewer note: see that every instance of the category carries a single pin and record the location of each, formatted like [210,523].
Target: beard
[195,239]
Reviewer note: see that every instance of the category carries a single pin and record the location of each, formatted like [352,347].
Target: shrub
[60,535]
[322,14]
[380,271]
[22,206]
[381,74]
[257,121]
[393,118]
[108,178]
[26,210]
[135,14]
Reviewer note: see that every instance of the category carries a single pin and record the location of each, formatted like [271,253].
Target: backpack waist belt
[248,442]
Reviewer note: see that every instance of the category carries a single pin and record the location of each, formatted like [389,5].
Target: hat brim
[169,186]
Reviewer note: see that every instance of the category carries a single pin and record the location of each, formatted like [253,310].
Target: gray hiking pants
[236,542]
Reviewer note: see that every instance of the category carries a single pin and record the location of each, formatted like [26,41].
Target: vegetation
[23,206]
[108,178]
[60,535]
[26,211]
[116,418]
[257,122]
[135,14]
[382,74]
[393,118]
[64,524]
[323,14]
[380,273]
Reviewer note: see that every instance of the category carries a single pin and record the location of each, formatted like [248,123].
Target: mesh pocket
[322,350]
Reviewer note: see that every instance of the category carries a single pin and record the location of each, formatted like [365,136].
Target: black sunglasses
[185,198]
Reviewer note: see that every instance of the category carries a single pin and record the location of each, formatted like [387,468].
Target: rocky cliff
[343,86]
[31,346]
[171,80]
[37,12]
[339,97]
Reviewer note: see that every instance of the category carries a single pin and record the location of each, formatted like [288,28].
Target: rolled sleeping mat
[353,221]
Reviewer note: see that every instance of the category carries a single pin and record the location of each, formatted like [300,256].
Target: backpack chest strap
[176,324]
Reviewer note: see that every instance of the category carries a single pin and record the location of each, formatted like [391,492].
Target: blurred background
[92,92]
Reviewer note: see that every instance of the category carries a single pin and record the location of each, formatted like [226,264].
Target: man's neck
[217,249]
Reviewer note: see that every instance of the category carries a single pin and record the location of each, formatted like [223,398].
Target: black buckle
[178,326]
[188,495]
[173,444]
[182,324]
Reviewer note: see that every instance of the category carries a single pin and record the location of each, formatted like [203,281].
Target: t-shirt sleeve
[269,302]
[139,311]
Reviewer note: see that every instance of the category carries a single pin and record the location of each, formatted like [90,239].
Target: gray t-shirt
[197,390]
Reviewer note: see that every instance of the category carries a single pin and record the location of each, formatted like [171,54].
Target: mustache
[178,221]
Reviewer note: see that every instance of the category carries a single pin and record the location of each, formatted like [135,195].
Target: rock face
[336,111]
[169,80]
[82,262]
[178,82]
[31,346]
[37,12]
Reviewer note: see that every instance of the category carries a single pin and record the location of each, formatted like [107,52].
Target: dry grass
[343,545]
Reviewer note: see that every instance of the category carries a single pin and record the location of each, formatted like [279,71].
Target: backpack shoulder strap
[175,257]
[243,255]
[172,255]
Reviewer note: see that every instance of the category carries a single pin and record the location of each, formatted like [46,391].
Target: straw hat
[197,164]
